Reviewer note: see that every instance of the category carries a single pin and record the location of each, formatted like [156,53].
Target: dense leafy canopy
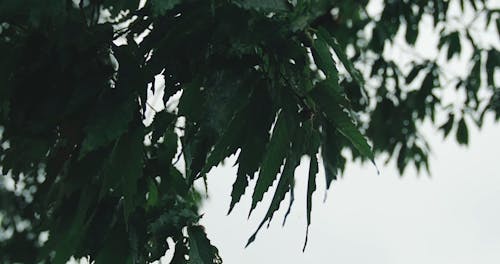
[272,81]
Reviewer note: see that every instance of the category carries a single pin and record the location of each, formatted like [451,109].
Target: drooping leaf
[331,154]
[229,141]
[448,125]
[284,184]
[355,74]
[276,151]
[328,100]
[200,249]
[126,163]
[492,63]
[254,145]
[311,182]
[323,59]
[462,132]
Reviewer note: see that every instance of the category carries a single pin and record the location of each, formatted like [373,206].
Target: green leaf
[127,163]
[160,7]
[329,99]
[200,249]
[152,193]
[355,73]
[284,184]
[311,187]
[191,101]
[414,73]
[462,132]
[323,59]
[108,125]
[492,63]
[454,47]
[69,238]
[116,247]
[311,182]
[263,5]
[276,152]
[229,141]
[254,145]
[448,125]
[161,122]
[331,154]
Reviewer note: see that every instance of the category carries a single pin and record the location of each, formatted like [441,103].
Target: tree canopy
[91,167]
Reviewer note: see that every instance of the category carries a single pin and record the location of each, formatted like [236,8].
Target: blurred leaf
[413,73]
[263,5]
[492,63]
[160,7]
[462,132]
[323,59]
[152,194]
[448,125]
[454,47]
[71,237]
[355,74]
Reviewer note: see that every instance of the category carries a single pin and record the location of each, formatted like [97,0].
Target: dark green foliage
[255,78]
[200,249]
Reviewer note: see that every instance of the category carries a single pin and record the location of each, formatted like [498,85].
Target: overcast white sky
[451,217]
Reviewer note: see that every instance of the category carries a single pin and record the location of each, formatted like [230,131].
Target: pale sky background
[453,216]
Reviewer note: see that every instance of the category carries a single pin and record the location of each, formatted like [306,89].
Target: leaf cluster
[107,174]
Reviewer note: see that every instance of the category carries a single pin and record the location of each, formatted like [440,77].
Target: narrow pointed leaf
[323,59]
[276,152]
[250,157]
[331,154]
[285,182]
[311,187]
[283,187]
[355,73]
[462,132]
[328,100]
[229,141]
[127,162]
